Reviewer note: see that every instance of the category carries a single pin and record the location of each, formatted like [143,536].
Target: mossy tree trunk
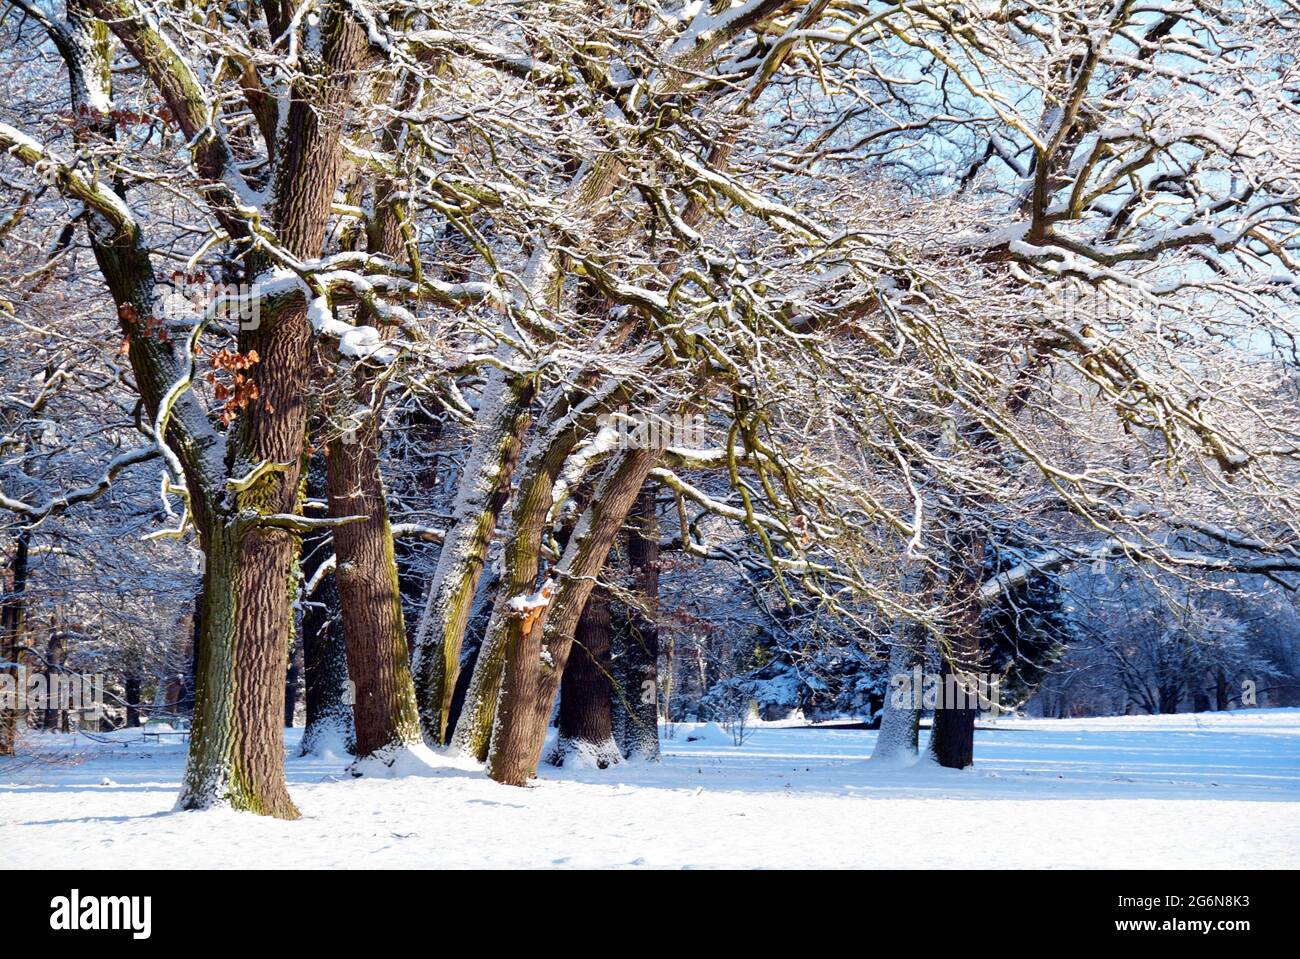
[559,433]
[384,711]
[236,751]
[485,488]
[537,647]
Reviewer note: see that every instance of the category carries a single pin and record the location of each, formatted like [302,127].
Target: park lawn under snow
[1207,790]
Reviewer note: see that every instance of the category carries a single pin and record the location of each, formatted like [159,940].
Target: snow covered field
[1208,790]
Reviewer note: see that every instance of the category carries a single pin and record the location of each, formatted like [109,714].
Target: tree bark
[236,746]
[484,490]
[12,616]
[271,432]
[236,752]
[55,655]
[586,726]
[423,431]
[328,696]
[560,432]
[325,666]
[384,711]
[291,678]
[536,647]
[131,687]
[900,724]
[636,706]
[952,734]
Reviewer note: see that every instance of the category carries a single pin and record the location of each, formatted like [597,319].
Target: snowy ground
[1212,790]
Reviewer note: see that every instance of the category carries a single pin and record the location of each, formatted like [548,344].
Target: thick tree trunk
[952,734]
[12,616]
[900,722]
[236,753]
[520,561]
[384,712]
[327,696]
[386,717]
[586,727]
[636,706]
[538,640]
[484,490]
[131,687]
[55,655]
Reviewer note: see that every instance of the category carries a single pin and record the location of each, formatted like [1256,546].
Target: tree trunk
[236,754]
[236,746]
[520,561]
[384,710]
[586,727]
[537,645]
[424,432]
[900,723]
[327,695]
[952,734]
[636,707]
[55,655]
[12,615]
[474,727]
[131,686]
[237,750]
[484,490]
[385,714]
[291,680]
